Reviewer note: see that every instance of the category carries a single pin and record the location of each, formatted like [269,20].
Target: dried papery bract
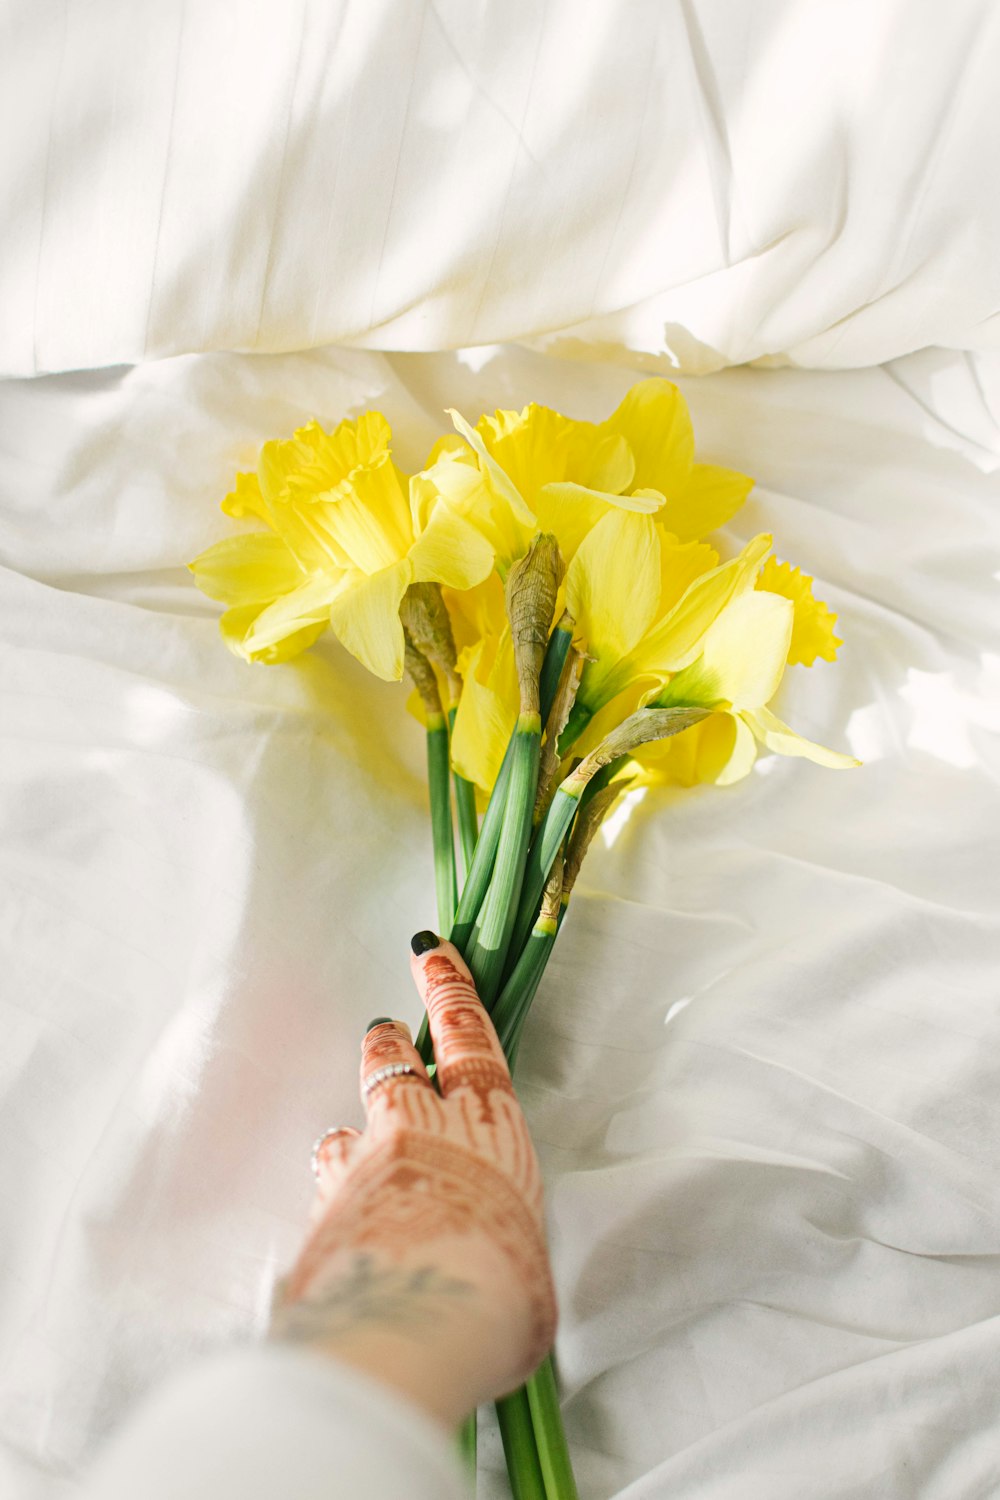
[552,895]
[530,593]
[549,762]
[427,624]
[422,675]
[638,729]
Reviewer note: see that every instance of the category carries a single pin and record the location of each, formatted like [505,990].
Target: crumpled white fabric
[761,1072]
[703,183]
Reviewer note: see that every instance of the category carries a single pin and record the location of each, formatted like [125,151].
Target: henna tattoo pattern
[410,1189]
[368,1293]
[433,1166]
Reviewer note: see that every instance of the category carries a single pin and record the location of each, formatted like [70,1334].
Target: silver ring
[320,1142]
[382,1075]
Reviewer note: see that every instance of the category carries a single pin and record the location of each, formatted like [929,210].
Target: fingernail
[378,1021]
[423,942]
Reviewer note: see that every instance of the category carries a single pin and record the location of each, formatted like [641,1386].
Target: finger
[391,1069]
[331,1157]
[332,1152]
[466,1045]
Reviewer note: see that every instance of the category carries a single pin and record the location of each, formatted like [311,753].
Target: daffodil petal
[654,419]
[487,711]
[501,483]
[739,762]
[302,608]
[677,639]
[647,502]
[250,569]
[710,498]
[235,626]
[365,618]
[613,583]
[720,750]
[570,511]
[680,564]
[784,741]
[609,466]
[451,550]
[742,658]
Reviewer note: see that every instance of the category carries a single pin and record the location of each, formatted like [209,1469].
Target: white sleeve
[275,1423]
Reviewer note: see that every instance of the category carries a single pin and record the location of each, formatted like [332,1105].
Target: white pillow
[706,183]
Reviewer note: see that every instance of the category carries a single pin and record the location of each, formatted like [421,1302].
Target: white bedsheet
[762,1070]
[702,181]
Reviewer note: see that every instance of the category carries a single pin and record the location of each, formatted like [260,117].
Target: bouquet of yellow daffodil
[570,634]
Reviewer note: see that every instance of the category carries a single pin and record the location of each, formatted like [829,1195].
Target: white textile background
[701,181]
[762,1070]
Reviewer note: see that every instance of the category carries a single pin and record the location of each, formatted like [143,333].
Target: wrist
[445,1335]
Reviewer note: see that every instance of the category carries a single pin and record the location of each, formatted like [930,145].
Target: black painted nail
[378,1021]
[423,942]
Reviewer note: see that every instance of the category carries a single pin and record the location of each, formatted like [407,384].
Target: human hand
[426,1265]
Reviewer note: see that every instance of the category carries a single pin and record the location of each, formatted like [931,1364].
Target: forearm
[275,1421]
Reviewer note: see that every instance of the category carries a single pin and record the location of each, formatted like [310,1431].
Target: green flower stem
[478,879]
[476,883]
[465,808]
[518,1434]
[550,1435]
[519,991]
[556,653]
[562,810]
[439,783]
[468,1443]
[496,918]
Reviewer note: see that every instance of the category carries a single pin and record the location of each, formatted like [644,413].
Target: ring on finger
[382,1075]
[320,1142]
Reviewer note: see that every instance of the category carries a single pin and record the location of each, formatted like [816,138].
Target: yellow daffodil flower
[598,487]
[349,535]
[737,672]
[642,601]
[654,424]
[274,582]
[543,471]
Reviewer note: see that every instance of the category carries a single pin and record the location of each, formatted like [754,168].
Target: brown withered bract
[530,591]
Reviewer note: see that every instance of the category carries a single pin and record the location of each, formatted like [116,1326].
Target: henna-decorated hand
[426,1265]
